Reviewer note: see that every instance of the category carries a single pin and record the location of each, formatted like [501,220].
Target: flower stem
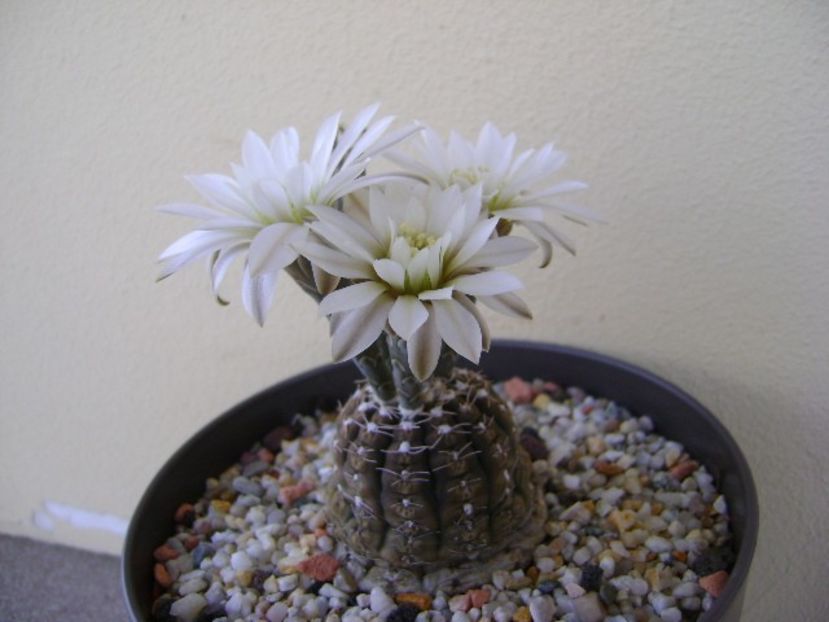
[373,362]
[409,388]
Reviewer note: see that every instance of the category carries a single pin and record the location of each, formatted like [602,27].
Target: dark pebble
[530,431]
[255,468]
[161,609]
[202,550]
[316,586]
[212,612]
[608,593]
[711,561]
[258,580]
[593,530]
[404,613]
[534,446]
[548,587]
[273,440]
[591,577]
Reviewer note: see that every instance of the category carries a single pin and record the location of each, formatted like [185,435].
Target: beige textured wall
[703,128]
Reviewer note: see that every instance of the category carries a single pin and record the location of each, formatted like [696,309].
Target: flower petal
[407,315]
[393,138]
[521,213]
[546,232]
[424,349]
[486,337]
[487,283]
[257,294]
[344,230]
[323,144]
[351,297]
[458,328]
[272,249]
[560,188]
[444,293]
[191,210]
[502,252]
[350,135]
[508,304]
[475,239]
[336,262]
[391,272]
[219,267]
[221,191]
[256,157]
[198,242]
[372,133]
[358,329]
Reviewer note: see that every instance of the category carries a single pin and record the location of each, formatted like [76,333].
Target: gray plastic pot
[219,444]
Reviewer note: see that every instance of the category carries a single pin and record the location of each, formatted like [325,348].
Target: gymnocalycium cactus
[430,471]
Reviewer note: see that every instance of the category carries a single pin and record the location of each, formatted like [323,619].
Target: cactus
[437,485]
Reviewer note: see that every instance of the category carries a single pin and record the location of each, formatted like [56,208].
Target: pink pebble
[714,584]
[320,567]
[518,390]
[289,494]
[478,598]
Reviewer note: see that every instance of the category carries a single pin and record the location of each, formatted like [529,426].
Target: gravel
[636,531]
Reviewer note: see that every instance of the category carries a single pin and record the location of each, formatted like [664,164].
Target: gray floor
[44,582]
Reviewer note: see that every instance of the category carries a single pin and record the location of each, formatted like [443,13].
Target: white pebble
[608,566]
[542,609]
[277,613]
[582,556]
[634,585]
[499,579]
[193,585]
[240,561]
[187,608]
[684,590]
[588,608]
[227,574]
[612,496]
[504,612]
[574,590]
[379,600]
[571,482]
[720,505]
[660,602]
[287,583]
[460,616]
[545,564]
[671,614]
[658,544]
[325,543]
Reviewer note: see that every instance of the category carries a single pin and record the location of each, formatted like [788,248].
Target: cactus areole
[431,473]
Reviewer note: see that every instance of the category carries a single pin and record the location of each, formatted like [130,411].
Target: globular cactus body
[434,486]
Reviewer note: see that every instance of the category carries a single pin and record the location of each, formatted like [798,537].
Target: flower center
[497,202]
[417,240]
[466,177]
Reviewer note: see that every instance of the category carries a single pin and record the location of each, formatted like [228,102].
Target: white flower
[515,188]
[262,210]
[416,255]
